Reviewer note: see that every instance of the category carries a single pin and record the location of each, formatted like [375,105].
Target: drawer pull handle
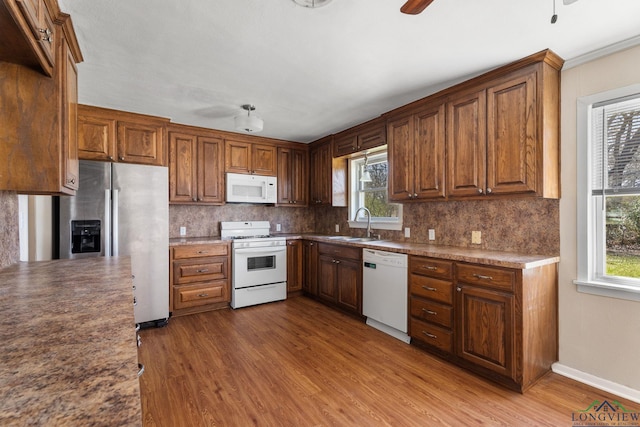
[427,288]
[480,276]
[203,295]
[204,270]
[429,335]
[433,313]
[429,267]
[202,252]
[141,367]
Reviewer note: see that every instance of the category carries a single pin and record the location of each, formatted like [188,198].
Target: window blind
[615,139]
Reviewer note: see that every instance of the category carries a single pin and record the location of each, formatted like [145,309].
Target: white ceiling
[313,72]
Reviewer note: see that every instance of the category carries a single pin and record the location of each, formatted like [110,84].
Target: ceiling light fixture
[365,176]
[248,123]
[313,4]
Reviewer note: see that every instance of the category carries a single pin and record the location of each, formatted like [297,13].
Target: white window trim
[376,223]
[585,282]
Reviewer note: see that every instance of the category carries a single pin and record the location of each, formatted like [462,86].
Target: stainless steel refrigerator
[123,209]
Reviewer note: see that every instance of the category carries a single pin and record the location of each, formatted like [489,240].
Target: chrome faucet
[368,219]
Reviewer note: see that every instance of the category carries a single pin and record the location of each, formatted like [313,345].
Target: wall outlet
[407,232]
[278,227]
[337,228]
[476,237]
[183,231]
[432,234]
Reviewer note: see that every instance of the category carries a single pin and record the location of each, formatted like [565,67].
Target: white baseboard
[597,382]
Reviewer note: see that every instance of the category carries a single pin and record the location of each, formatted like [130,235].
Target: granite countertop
[68,354]
[478,256]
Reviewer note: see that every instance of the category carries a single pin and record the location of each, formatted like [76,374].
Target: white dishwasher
[384,292]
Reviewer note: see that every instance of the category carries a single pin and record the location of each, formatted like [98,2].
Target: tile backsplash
[9,234]
[521,225]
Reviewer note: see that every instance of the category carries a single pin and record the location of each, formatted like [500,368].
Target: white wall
[599,336]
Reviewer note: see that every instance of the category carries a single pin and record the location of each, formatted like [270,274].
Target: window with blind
[368,185]
[611,205]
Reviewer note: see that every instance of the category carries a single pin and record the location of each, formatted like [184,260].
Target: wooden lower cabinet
[199,278]
[340,277]
[499,322]
[310,268]
[294,265]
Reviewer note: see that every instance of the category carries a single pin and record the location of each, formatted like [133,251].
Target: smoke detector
[312,3]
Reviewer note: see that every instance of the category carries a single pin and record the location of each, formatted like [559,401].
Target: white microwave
[243,188]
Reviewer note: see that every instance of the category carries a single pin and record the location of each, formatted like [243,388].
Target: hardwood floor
[299,363]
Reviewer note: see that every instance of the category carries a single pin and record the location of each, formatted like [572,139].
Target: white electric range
[259,263]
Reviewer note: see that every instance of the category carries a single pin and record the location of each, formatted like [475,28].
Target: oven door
[259,266]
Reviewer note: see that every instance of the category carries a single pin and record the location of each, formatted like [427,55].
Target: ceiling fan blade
[414,7]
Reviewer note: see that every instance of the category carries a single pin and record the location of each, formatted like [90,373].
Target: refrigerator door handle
[107,222]
[114,221]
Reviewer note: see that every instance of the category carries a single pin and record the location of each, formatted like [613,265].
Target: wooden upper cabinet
[293,177]
[250,158]
[38,126]
[365,136]
[196,173]
[96,134]
[416,154]
[466,144]
[512,149]
[29,34]
[69,97]
[320,185]
[111,135]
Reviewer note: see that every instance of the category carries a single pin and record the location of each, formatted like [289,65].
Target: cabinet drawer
[428,287]
[431,311]
[431,267]
[193,251]
[199,269]
[486,276]
[432,335]
[201,294]
[340,251]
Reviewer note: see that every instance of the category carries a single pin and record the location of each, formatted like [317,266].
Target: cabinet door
[292,177]
[263,159]
[285,177]
[69,123]
[349,285]
[210,175]
[466,145]
[294,265]
[344,144]
[140,142]
[321,185]
[300,178]
[511,136]
[429,170]
[327,287]
[41,25]
[96,135]
[182,168]
[400,134]
[237,156]
[373,137]
[310,272]
[485,335]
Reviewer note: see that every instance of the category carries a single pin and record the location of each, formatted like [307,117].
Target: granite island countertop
[453,253]
[68,355]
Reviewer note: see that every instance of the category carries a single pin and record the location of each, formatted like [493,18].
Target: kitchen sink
[340,237]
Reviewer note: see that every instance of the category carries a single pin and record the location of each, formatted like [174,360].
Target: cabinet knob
[337,261]
[459,289]
[311,244]
[488,190]
[121,157]
[71,181]
[46,35]
[480,190]
[194,199]
[415,195]
[110,157]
